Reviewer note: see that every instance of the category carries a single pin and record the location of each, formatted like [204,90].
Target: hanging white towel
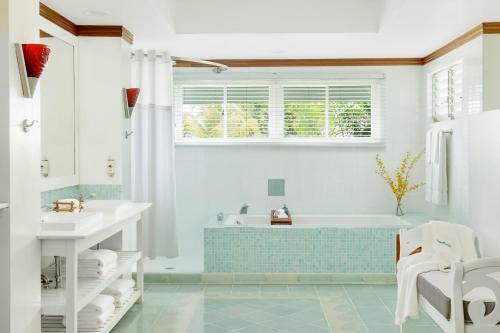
[428,164]
[439,173]
[436,182]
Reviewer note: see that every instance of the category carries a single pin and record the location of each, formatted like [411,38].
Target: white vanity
[78,292]
[65,120]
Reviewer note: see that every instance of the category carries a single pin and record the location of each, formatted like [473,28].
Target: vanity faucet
[244,209]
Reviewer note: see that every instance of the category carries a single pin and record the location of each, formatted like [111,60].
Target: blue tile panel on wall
[101,191]
[300,250]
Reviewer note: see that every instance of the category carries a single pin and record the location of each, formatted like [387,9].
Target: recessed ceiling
[216,29]
[277,16]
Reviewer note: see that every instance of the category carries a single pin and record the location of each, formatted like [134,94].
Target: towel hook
[127,134]
[26,125]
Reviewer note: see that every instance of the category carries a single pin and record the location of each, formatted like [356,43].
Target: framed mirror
[58,112]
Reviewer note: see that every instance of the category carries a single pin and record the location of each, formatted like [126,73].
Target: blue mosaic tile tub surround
[101,192]
[300,250]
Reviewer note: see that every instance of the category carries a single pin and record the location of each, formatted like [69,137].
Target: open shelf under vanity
[54,300]
[53,324]
[77,292]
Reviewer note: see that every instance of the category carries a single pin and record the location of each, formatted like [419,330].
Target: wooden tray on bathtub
[276,221]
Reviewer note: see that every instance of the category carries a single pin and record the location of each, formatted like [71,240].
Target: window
[447,93]
[247,112]
[279,112]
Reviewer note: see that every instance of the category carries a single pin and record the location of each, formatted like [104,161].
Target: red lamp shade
[31,59]
[130,96]
[35,58]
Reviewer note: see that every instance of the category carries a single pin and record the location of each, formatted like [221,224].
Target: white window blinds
[202,112]
[304,111]
[350,111]
[279,112]
[447,91]
[247,111]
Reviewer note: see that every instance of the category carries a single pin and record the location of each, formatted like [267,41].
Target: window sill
[281,143]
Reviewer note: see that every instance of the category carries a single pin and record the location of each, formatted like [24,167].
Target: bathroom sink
[70,221]
[107,207]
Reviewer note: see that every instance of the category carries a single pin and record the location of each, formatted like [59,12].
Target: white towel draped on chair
[443,244]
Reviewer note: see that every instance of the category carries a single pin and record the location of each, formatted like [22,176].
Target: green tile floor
[267,309]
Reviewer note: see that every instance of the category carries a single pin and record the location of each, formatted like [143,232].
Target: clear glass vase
[399,209]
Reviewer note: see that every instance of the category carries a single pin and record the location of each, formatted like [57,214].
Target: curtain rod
[218,67]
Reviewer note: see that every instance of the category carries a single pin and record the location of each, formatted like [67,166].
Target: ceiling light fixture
[96,13]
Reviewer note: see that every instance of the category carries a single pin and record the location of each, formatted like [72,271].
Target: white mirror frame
[52,183]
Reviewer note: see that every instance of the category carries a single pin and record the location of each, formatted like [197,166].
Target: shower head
[219,69]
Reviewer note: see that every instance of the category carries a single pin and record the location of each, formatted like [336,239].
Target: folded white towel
[96,263]
[93,322]
[120,287]
[120,301]
[102,256]
[101,304]
[96,273]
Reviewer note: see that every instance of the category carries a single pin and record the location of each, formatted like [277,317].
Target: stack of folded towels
[96,263]
[120,290]
[96,313]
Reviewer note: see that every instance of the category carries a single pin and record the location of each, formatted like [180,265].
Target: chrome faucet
[244,209]
[220,217]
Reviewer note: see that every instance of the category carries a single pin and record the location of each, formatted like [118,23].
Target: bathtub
[312,244]
[315,221]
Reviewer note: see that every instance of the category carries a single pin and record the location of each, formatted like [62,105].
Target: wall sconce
[130,96]
[31,59]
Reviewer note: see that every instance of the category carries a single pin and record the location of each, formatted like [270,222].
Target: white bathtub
[313,220]
[354,244]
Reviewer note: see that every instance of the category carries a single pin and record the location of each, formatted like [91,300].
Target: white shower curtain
[153,151]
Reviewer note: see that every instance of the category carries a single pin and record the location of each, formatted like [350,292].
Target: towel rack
[450,132]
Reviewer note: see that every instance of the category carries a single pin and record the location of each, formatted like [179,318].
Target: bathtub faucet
[244,209]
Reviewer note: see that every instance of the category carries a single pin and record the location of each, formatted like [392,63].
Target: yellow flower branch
[400,184]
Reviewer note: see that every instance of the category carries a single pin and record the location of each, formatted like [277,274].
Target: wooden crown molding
[307,62]
[105,31]
[85,30]
[120,31]
[483,28]
[491,28]
[58,19]
[44,34]
[454,44]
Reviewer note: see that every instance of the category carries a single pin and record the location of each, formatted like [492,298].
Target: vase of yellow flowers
[400,185]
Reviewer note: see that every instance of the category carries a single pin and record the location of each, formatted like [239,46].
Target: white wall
[473,160]
[491,71]
[484,179]
[101,107]
[471,56]
[19,177]
[212,179]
